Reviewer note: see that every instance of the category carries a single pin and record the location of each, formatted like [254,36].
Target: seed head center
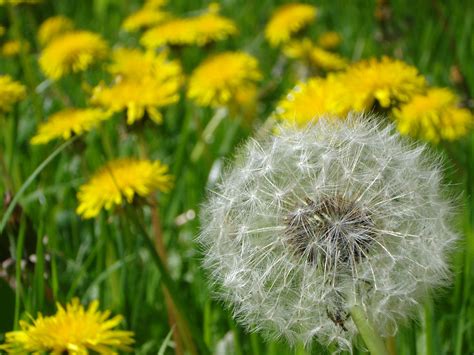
[331,231]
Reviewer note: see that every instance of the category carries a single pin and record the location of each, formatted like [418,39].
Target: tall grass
[49,254]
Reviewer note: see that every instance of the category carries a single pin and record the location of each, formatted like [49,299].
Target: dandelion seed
[216,81]
[72,52]
[120,181]
[287,20]
[65,123]
[10,93]
[72,330]
[313,222]
[434,116]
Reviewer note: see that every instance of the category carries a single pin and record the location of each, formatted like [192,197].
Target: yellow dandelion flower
[155,4]
[132,64]
[72,330]
[215,81]
[52,27]
[321,58]
[287,20]
[199,30]
[3,30]
[327,60]
[72,52]
[313,99]
[13,48]
[246,100]
[10,93]
[65,123]
[119,181]
[386,81]
[434,116]
[138,97]
[143,18]
[329,40]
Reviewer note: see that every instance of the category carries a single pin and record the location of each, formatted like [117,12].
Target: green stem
[168,281]
[30,179]
[14,17]
[19,257]
[372,340]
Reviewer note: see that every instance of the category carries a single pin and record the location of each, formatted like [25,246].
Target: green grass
[106,259]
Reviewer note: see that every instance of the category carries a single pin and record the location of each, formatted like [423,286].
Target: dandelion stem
[168,282]
[30,179]
[372,340]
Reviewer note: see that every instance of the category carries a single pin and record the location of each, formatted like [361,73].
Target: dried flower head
[72,330]
[287,20]
[65,123]
[314,221]
[216,80]
[198,30]
[120,181]
[11,92]
[54,27]
[72,52]
[434,116]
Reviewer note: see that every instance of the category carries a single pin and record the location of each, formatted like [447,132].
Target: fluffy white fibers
[309,222]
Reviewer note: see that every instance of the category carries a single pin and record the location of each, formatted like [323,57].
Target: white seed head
[311,221]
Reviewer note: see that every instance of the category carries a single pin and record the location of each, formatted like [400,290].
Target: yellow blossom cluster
[11,92]
[73,329]
[321,58]
[54,27]
[385,82]
[287,20]
[433,116]
[216,81]
[65,123]
[13,48]
[120,181]
[144,82]
[198,30]
[72,52]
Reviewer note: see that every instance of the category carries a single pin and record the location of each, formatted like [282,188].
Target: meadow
[173,130]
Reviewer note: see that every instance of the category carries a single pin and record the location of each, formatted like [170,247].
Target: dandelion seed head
[348,212]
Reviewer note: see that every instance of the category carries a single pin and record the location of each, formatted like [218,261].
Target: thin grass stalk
[19,256]
[167,280]
[172,313]
[30,180]
[14,17]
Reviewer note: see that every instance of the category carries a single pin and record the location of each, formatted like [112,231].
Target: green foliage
[105,258]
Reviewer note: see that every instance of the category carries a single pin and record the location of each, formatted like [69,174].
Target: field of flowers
[237,177]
